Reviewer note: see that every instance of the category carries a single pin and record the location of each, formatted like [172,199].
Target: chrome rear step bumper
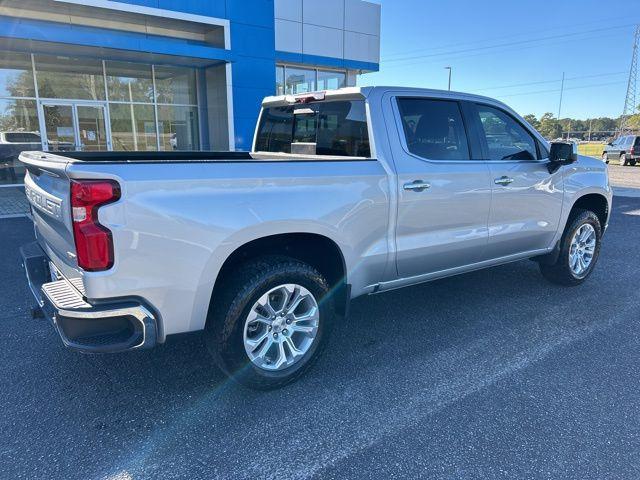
[90,328]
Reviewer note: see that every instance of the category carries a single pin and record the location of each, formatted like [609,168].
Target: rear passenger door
[444,195]
[527,199]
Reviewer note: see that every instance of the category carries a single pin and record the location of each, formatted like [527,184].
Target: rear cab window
[332,128]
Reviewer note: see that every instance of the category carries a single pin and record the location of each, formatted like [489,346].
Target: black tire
[242,288]
[623,160]
[560,272]
[632,162]
[605,158]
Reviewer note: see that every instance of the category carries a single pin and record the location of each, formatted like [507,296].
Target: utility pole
[449,68]
[630,104]
[590,125]
[561,93]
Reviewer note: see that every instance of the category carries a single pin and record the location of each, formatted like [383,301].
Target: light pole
[449,68]
[561,94]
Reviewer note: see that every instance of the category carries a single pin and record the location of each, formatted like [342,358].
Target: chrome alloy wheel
[281,327]
[583,246]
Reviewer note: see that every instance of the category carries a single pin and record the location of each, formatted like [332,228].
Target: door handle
[503,181]
[416,186]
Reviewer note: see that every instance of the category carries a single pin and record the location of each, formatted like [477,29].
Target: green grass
[591,149]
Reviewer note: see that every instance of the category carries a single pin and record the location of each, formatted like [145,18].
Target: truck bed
[43,159]
[155,157]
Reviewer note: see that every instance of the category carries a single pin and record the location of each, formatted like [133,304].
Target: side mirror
[562,153]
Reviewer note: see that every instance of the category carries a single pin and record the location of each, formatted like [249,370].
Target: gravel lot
[625,180]
[494,374]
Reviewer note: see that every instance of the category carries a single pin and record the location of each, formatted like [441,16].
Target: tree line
[601,128]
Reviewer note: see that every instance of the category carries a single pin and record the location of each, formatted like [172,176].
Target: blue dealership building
[169,74]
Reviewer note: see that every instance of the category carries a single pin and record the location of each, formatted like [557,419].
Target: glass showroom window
[177,108]
[178,126]
[279,80]
[292,80]
[175,85]
[16,75]
[131,109]
[19,128]
[300,80]
[69,78]
[133,88]
[331,80]
[133,127]
[129,82]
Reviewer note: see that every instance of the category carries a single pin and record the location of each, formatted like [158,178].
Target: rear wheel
[632,162]
[270,322]
[623,160]
[579,250]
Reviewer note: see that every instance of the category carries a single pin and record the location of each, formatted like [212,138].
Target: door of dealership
[79,126]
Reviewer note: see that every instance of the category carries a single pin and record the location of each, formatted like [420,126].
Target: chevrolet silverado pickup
[345,193]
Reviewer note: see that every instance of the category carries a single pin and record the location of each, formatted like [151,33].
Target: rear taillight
[94,244]
[632,151]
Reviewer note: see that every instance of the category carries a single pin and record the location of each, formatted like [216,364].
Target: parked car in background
[346,193]
[12,143]
[624,150]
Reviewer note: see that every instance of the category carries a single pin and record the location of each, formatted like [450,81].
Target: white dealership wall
[343,29]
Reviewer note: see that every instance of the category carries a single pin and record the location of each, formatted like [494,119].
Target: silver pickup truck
[346,193]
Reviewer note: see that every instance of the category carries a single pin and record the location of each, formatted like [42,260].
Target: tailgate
[47,188]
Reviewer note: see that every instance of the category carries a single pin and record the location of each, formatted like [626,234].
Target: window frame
[473,106]
[469,130]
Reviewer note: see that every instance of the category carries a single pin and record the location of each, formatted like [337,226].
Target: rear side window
[328,128]
[434,129]
[506,138]
[637,142]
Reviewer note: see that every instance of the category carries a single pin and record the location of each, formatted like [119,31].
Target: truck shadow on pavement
[400,357]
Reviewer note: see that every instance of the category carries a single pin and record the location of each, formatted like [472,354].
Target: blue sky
[513,50]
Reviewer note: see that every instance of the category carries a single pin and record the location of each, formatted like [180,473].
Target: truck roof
[355,93]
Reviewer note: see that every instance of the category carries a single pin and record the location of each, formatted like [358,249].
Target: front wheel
[579,250]
[270,321]
[623,160]
[605,158]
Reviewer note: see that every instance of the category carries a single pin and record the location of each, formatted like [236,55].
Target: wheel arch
[595,202]
[316,249]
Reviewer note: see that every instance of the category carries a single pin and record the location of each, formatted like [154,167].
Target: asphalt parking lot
[494,374]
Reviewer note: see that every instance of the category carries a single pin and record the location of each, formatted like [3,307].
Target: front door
[444,196]
[527,199]
[75,127]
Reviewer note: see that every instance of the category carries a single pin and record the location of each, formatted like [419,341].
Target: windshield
[327,128]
